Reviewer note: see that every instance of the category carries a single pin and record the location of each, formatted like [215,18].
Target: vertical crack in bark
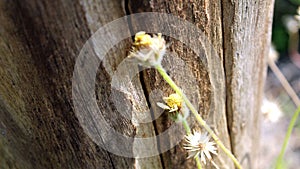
[227,87]
[152,116]
[128,12]
[141,78]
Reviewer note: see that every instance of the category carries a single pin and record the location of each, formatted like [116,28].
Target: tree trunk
[41,40]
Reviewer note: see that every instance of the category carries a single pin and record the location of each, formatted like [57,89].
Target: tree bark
[39,45]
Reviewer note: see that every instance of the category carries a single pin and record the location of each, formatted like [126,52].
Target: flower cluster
[148,50]
[198,144]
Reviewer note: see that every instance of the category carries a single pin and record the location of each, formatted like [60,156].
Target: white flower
[271,111]
[292,24]
[273,54]
[198,144]
[148,50]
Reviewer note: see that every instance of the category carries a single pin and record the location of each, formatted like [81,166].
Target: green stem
[167,78]
[287,137]
[285,84]
[198,162]
[188,131]
[186,126]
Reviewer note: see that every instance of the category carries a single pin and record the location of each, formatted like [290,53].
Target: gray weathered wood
[247,32]
[40,41]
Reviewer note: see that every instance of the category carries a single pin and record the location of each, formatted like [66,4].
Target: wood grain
[39,44]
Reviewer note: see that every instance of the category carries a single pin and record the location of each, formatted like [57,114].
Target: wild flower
[173,103]
[148,50]
[198,144]
[271,111]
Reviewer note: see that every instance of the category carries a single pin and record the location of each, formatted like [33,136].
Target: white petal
[163,106]
[165,99]
[207,154]
[211,144]
[173,109]
[202,157]
[214,152]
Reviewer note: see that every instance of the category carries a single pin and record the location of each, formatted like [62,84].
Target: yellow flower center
[201,146]
[142,39]
[172,100]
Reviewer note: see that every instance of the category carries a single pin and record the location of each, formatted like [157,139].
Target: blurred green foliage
[280,35]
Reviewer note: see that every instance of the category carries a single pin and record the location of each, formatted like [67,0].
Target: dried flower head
[271,111]
[273,54]
[298,15]
[198,144]
[148,50]
[291,23]
[173,103]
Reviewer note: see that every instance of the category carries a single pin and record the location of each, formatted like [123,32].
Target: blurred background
[278,107]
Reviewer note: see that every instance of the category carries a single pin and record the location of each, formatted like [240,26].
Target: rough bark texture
[246,42]
[39,43]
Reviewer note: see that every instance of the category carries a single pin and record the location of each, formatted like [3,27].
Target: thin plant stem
[285,84]
[186,126]
[290,91]
[188,131]
[202,122]
[287,137]
[198,162]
